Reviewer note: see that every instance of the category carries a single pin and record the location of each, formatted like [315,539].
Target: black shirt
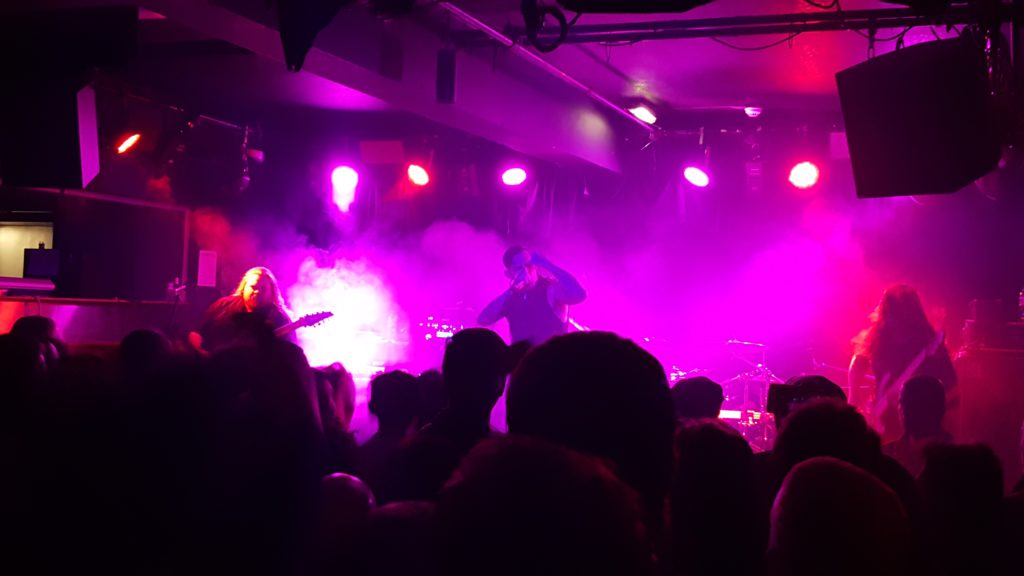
[227,321]
[530,316]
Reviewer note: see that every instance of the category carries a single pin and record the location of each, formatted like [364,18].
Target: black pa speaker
[48,115]
[919,120]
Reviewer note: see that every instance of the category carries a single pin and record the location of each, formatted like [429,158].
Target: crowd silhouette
[152,458]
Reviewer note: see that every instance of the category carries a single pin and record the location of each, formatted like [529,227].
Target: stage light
[696,176]
[127,143]
[344,180]
[753,111]
[804,175]
[344,177]
[513,176]
[418,175]
[644,114]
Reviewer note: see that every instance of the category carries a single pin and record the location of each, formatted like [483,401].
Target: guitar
[302,322]
[195,340]
[889,389]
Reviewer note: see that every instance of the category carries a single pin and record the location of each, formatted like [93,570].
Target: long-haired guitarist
[900,344]
[255,306]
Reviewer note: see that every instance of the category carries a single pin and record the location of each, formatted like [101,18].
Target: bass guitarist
[899,344]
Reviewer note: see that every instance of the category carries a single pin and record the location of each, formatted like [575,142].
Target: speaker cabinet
[919,120]
[992,403]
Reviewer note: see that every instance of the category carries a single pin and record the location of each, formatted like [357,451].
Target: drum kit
[745,394]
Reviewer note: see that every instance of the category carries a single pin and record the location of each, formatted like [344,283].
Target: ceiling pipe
[521,51]
[777,24]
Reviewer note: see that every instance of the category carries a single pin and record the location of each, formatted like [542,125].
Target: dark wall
[111,250]
[107,249]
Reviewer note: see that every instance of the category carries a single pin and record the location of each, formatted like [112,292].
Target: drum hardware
[675,374]
[746,395]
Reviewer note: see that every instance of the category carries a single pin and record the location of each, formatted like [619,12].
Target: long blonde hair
[275,296]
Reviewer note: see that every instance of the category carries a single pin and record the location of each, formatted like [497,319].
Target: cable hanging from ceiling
[788,38]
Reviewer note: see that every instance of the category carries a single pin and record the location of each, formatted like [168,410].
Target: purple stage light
[644,114]
[344,180]
[513,176]
[418,175]
[804,175]
[696,176]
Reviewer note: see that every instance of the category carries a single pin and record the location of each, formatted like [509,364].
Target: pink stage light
[804,175]
[418,175]
[344,180]
[696,176]
[513,176]
[127,143]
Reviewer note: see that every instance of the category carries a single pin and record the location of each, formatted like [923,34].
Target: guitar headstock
[313,319]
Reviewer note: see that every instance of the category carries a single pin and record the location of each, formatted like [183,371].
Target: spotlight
[127,143]
[513,176]
[804,175]
[753,111]
[643,113]
[418,175]
[344,180]
[696,176]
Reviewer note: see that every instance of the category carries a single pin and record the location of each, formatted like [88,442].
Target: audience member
[716,528]
[962,488]
[828,427]
[142,355]
[474,369]
[522,506]
[400,539]
[831,517]
[798,390]
[433,396]
[922,407]
[267,460]
[698,397]
[335,393]
[344,514]
[601,395]
[395,401]
[43,331]
[340,391]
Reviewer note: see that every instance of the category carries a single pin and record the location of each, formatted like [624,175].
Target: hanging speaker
[49,123]
[919,120]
